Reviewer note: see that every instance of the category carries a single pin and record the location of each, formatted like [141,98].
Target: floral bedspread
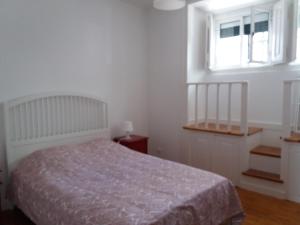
[104,183]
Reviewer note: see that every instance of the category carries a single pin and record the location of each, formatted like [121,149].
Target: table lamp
[127,128]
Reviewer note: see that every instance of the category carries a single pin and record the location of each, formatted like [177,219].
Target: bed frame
[51,119]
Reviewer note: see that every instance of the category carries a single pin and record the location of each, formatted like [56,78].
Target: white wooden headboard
[51,119]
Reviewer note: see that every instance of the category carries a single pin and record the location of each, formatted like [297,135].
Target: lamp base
[127,137]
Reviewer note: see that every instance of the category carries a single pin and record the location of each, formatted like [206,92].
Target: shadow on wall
[2,136]
[2,145]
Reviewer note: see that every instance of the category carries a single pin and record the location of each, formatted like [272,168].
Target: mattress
[103,183]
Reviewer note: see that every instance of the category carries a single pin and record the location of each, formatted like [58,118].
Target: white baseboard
[294,198]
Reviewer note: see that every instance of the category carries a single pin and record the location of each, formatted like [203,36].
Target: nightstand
[136,142]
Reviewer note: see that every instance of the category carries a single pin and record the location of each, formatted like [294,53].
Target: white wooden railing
[243,122]
[291,107]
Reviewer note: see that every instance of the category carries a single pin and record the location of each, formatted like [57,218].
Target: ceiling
[141,3]
[149,3]
[221,5]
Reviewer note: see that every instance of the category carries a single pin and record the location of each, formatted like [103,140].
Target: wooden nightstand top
[134,138]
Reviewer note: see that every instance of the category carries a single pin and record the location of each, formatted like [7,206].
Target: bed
[80,177]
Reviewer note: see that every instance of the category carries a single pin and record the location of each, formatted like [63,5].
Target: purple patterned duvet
[103,183]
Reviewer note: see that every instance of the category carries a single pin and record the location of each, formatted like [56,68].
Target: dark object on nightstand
[137,143]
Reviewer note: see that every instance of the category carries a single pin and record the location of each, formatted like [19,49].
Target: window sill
[295,63]
[245,68]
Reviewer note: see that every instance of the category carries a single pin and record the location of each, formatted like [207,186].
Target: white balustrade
[206,86]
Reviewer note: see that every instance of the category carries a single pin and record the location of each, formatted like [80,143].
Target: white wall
[166,75]
[167,78]
[95,47]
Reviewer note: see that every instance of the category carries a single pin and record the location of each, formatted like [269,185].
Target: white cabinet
[200,151]
[294,172]
[216,153]
[225,157]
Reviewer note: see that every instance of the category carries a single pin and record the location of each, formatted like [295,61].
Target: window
[260,39]
[228,40]
[247,37]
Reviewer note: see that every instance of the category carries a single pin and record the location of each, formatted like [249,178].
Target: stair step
[294,137]
[267,151]
[263,175]
[222,129]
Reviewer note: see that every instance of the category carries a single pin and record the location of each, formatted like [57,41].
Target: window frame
[238,15]
[296,38]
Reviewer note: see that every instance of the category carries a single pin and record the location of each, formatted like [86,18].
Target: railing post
[229,107]
[196,104]
[244,109]
[206,105]
[296,107]
[286,114]
[218,107]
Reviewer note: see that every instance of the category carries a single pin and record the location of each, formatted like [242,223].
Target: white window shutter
[279,19]
[209,47]
[295,31]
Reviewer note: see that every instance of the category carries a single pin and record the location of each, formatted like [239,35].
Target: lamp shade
[127,126]
[169,4]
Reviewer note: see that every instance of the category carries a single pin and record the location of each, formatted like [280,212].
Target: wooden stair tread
[263,175]
[293,138]
[267,151]
[222,129]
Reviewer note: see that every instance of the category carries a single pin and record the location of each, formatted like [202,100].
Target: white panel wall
[95,47]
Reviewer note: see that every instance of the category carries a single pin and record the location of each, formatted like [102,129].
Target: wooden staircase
[265,151]
[294,138]
[263,175]
[234,130]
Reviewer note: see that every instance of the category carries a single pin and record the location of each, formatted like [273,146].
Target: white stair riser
[263,186]
[271,137]
[265,163]
[254,141]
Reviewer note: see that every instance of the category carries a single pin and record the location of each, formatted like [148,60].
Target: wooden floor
[264,210]
[260,210]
